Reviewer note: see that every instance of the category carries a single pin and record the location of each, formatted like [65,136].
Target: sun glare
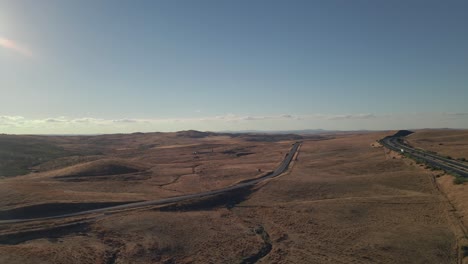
[14,46]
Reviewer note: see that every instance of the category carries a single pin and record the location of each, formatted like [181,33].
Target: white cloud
[56,120]
[456,115]
[236,118]
[66,125]
[350,116]
[11,120]
[84,120]
[126,120]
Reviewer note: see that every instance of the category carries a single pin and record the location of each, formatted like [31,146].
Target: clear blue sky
[122,66]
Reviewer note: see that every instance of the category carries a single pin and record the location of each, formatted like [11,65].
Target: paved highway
[437,161]
[282,168]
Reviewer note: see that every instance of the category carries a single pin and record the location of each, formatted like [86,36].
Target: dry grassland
[343,201]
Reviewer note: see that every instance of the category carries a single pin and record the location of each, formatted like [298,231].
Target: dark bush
[459,180]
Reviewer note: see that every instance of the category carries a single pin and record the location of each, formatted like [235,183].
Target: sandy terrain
[453,143]
[344,201]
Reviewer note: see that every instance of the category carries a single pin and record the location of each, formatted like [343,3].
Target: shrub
[431,167]
[459,180]
[464,251]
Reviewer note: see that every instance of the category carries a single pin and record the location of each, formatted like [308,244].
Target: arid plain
[344,199]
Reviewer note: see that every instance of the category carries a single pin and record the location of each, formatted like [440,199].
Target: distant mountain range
[301,132]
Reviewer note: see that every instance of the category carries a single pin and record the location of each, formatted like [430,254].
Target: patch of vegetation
[432,167]
[264,250]
[461,159]
[54,232]
[449,157]
[459,179]
[464,251]
[18,154]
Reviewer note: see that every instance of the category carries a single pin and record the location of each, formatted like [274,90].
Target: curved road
[437,161]
[282,168]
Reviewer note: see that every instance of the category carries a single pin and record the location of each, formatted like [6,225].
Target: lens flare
[14,46]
